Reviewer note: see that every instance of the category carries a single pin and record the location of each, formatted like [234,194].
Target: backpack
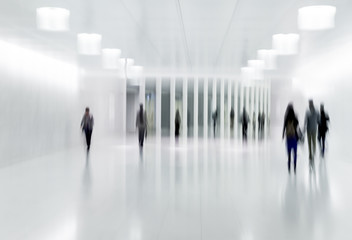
[290,129]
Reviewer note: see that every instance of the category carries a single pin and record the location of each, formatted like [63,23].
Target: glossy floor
[214,190]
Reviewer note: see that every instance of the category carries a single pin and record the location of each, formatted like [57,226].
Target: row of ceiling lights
[57,19]
[310,18]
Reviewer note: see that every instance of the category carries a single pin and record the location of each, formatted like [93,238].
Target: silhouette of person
[232,118]
[244,121]
[310,125]
[215,118]
[177,123]
[322,128]
[141,124]
[292,132]
[87,124]
[254,124]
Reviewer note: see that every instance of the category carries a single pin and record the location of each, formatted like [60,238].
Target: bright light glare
[269,56]
[53,19]
[89,43]
[286,44]
[38,67]
[111,58]
[258,67]
[316,17]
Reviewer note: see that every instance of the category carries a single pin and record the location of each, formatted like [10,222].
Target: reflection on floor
[214,190]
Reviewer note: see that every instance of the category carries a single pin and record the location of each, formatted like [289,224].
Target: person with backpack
[141,124]
[322,128]
[292,132]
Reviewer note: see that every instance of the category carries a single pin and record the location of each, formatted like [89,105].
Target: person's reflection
[292,209]
[87,178]
[141,154]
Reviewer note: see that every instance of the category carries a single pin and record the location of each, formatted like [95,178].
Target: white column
[124,107]
[195,109]
[222,107]
[172,108]
[185,106]
[257,102]
[241,103]
[158,107]
[265,105]
[235,95]
[252,110]
[269,107]
[213,107]
[142,91]
[205,110]
[229,102]
[247,100]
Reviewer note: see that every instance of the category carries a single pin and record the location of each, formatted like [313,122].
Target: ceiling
[182,36]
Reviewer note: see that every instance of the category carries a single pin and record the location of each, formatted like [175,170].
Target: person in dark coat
[322,128]
[177,123]
[87,124]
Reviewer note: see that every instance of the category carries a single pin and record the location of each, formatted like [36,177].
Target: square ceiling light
[269,58]
[136,71]
[89,43]
[247,73]
[313,18]
[258,67]
[285,44]
[53,19]
[111,58]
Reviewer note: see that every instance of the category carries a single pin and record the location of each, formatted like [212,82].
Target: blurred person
[215,118]
[244,121]
[310,126]
[292,132]
[177,123]
[232,118]
[141,124]
[322,128]
[87,124]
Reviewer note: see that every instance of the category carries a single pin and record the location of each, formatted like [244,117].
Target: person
[232,118]
[177,123]
[259,123]
[310,126]
[322,128]
[262,123]
[291,130]
[244,121]
[87,124]
[141,124]
[215,118]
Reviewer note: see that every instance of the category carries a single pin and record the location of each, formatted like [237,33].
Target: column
[257,102]
[195,109]
[142,91]
[205,110]
[222,107]
[229,102]
[185,107]
[253,116]
[124,106]
[241,103]
[158,107]
[172,108]
[235,95]
[269,107]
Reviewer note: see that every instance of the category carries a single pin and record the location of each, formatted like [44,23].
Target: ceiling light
[319,17]
[89,43]
[269,58]
[286,44]
[53,19]
[111,58]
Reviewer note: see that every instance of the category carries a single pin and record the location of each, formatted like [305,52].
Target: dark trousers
[88,133]
[141,136]
[244,132]
[321,139]
[292,145]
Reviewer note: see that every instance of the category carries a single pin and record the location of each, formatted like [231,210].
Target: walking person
[141,124]
[322,128]
[291,131]
[87,124]
[244,121]
[310,126]
[177,124]
[215,118]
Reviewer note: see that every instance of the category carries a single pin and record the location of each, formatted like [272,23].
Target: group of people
[245,120]
[314,122]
